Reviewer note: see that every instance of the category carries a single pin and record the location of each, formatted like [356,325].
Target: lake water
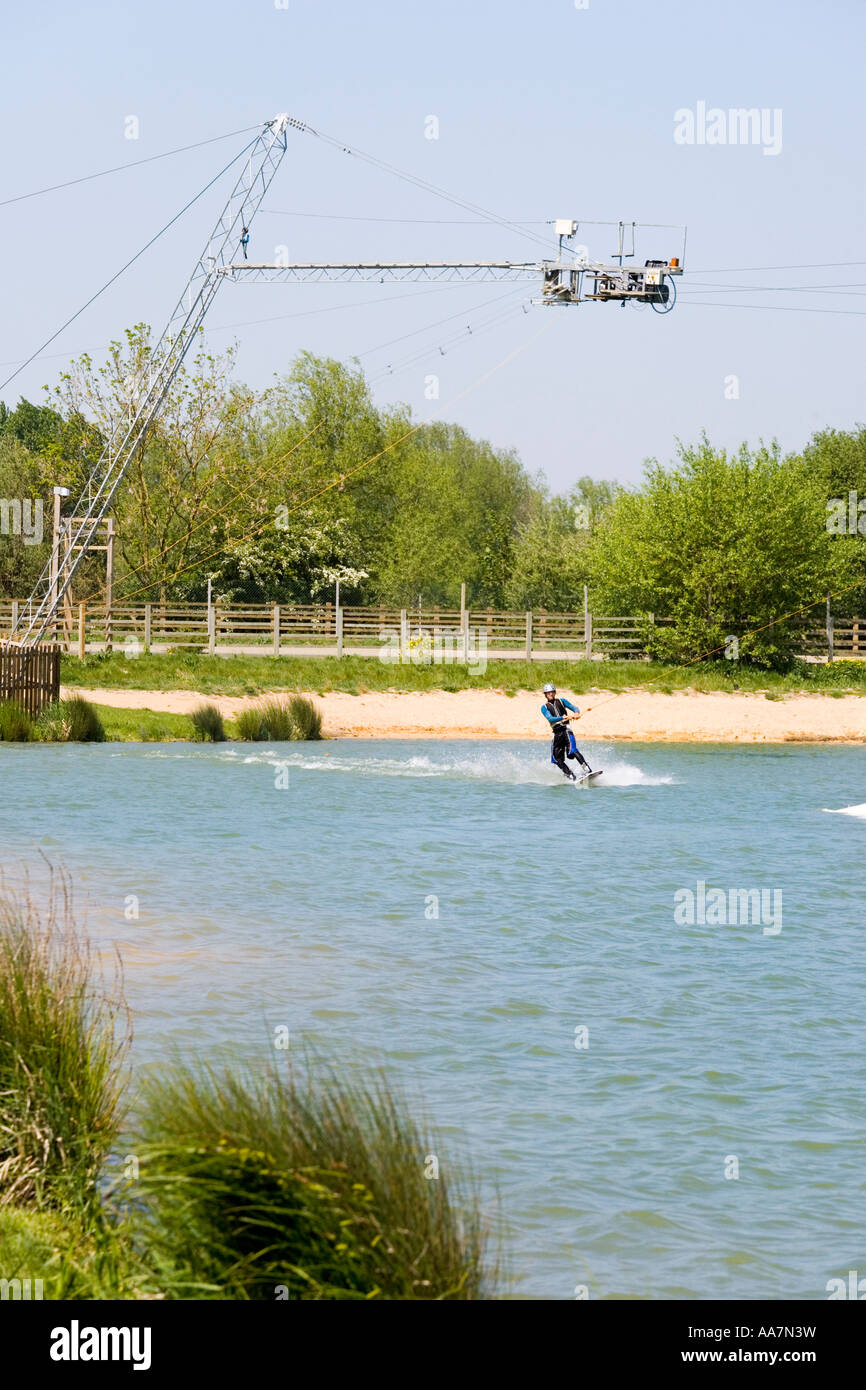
[608,1156]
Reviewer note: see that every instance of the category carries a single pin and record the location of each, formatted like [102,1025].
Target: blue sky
[545,110]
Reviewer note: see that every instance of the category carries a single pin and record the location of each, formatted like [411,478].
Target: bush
[269,721]
[208,724]
[16,726]
[250,725]
[720,544]
[70,721]
[252,1182]
[60,1061]
[305,717]
[85,725]
[280,721]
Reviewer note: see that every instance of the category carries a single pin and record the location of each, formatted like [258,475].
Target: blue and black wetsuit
[563,745]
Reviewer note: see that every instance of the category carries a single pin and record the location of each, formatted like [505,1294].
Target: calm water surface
[312,906]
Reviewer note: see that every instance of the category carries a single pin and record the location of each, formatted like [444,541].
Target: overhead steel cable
[123,268]
[417,182]
[119,168]
[769,308]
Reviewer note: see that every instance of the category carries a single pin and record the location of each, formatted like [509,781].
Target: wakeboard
[590,776]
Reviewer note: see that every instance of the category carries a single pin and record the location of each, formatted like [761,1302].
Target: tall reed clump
[70,721]
[262,1187]
[280,721]
[208,724]
[16,726]
[268,721]
[63,1035]
[306,718]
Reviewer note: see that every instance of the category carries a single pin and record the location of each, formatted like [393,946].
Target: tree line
[274,495]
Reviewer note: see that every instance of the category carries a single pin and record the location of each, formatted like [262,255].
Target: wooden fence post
[855,637]
[148,625]
[404,636]
[82,630]
[529,636]
[465,635]
[211,629]
[14,614]
[588,634]
[340,632]
[276,629]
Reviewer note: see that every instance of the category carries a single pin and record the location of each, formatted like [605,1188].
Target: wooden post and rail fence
[423,635]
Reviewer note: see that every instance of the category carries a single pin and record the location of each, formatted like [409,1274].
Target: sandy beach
[687,716]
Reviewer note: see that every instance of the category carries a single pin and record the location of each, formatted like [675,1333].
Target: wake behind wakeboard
[588,776]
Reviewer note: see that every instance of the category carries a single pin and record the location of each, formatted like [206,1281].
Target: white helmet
[548,689]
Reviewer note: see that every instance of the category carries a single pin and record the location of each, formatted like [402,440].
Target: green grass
[74,720]
[207,723]
[75,1258]
[258,1182]
[246,675]
[63,1035]
[145,726]
[269,720]
[306,719]
[280,720]
[16,726]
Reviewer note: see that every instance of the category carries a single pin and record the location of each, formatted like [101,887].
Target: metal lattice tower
[148,392]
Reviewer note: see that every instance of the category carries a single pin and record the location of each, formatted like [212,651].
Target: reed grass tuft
[64,1030]
[16,726]
[74,720]
[208,724]
[261,1186]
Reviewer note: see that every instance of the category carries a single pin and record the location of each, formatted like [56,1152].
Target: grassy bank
[290,719]
[144,726]
[252,675]
[268,1182]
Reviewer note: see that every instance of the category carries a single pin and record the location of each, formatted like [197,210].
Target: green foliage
[838,460]
[22,556]
[79,1255]
[306,719]
[452,517]
[297,558]
[16,726]
[255,1183]
[550,561]
[208,724]
[276,495]
[722,545]
[63,1035]
[191,461]
[74,720]
[271,721]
